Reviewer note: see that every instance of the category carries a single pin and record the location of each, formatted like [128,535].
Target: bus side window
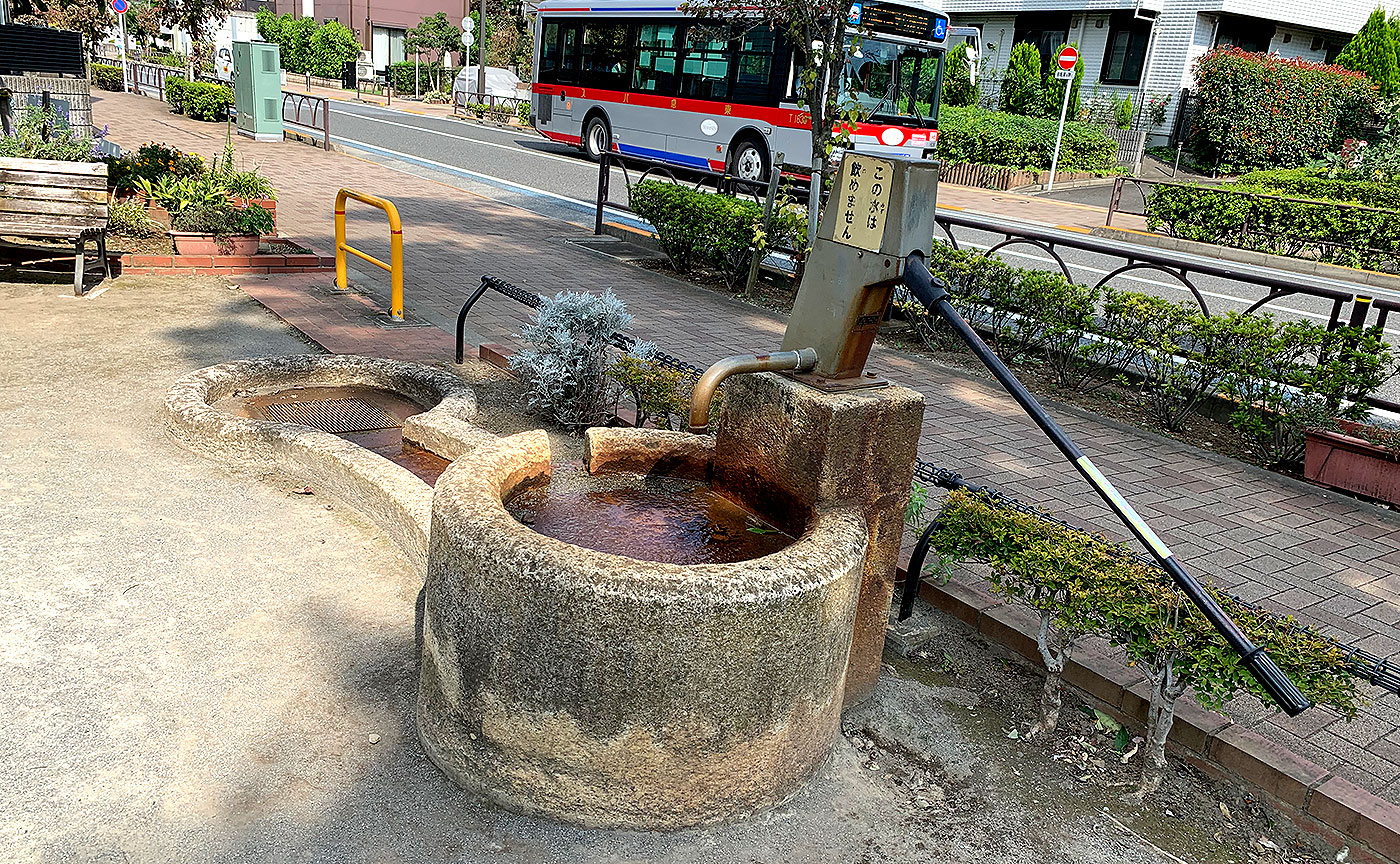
[705,68]
[655,66]
[753,77]
[605,55]
[568,54]
[549,53]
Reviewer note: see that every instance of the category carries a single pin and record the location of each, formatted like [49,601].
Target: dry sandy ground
[200,666]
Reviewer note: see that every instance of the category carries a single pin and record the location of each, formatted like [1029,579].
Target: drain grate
[332,415]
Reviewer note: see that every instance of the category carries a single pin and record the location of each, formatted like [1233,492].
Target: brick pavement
[1333,561]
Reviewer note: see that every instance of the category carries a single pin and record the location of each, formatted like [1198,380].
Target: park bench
[51,200]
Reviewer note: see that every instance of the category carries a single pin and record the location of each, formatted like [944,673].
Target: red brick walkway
[1333,561]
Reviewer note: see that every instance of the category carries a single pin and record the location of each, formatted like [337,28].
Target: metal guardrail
[1361,663]
[151,76]
[496,106]
[1291,245]
[395,267]
[1182,266]
[304,109]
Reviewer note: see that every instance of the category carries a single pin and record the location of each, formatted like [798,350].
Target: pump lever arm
[933,293]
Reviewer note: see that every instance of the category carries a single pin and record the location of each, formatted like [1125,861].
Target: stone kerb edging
[386,493]
[1317,800]
[549,671]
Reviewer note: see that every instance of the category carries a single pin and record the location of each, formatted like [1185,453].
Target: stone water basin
[696,677]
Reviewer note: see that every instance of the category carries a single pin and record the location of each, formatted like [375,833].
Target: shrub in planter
[200,100]
[130,219]
[998,138]
[717,232]
[104,76]
[1080,585]
[659,392]
[219,229]
[1355,457]
[41,134]
[1264,111]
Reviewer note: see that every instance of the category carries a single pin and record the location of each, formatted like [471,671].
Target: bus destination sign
[903,21]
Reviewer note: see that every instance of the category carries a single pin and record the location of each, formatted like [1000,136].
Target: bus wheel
[748,161]
[597,137]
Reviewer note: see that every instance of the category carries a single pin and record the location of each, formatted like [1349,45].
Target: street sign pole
[1065,62]
[120,8]
[481,54]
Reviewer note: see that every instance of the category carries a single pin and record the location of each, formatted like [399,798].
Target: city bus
[652,81]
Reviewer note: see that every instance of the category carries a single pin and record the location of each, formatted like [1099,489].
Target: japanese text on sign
[863,199]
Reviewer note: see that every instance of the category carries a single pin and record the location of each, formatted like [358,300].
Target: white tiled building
[1126,51]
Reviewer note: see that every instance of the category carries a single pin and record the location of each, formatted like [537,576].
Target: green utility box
[257,90]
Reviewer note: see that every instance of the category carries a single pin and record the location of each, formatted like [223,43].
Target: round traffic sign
[1068,56]
[120,6]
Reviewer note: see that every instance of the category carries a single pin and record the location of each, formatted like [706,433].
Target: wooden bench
[47,199]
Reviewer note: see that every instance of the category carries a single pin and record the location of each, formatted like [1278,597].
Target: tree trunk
[1161,711]
[1052,694]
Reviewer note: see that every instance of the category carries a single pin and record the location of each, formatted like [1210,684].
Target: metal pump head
[879,210]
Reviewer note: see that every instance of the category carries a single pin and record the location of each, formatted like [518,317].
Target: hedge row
[321,49]
[1088,336]
[429,74]
[715,232]
[1264,111]
[199,100]
[1315,184]
[104,76]
[1346,234]
[998,138]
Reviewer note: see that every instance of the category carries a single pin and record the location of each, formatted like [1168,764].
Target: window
[1047,31]
[705,68]
[1126,51]
[655,67]
[1249,34]
[605,55]
[568,54]
[753,67]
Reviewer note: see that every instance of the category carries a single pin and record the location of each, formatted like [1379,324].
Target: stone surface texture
[610,692]
[785,448]
[649,451]
[388,494]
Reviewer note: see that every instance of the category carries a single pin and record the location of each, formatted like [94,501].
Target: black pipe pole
[933,293]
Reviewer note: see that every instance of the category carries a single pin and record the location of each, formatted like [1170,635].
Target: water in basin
[660,519]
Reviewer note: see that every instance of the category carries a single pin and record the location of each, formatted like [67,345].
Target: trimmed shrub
[998,138]
[104,76]
[701,229]
[1054,88]
[1022,84]
[199,100]
[1373,52]
[1262,111]
[1314,183]
[1345,234]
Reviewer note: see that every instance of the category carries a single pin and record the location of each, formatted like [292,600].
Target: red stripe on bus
[788,118]
[563,138]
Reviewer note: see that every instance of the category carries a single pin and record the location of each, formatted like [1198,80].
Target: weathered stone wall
[71,96]
[611,692]
[784,447]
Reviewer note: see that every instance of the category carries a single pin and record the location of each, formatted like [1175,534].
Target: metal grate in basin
[332,415]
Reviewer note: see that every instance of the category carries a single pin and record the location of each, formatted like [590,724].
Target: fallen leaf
[305,490]
[1225,811]
[1012,734]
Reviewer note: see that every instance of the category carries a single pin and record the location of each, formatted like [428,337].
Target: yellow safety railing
[395,265]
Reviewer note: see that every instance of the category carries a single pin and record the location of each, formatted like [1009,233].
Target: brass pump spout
[801,360]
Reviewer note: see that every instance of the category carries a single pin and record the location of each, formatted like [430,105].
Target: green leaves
[998,138]
[1373,51]
[1092,587]
[306,46]
[199,100]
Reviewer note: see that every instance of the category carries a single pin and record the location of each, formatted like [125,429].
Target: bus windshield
[890,82]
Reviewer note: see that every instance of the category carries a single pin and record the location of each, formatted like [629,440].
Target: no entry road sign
[1068,56]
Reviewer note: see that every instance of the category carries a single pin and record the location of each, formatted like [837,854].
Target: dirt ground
[200,665]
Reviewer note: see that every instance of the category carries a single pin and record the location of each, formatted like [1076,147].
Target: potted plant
[251,189]
[219,229]
[1357,458]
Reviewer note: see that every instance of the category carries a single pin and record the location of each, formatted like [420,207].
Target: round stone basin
[371,417]
[665,519]
[610,691]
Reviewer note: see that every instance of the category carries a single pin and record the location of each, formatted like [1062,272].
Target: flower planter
[1352,464]
[188,243]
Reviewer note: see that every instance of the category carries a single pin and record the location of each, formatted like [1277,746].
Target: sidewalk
[1333,561]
